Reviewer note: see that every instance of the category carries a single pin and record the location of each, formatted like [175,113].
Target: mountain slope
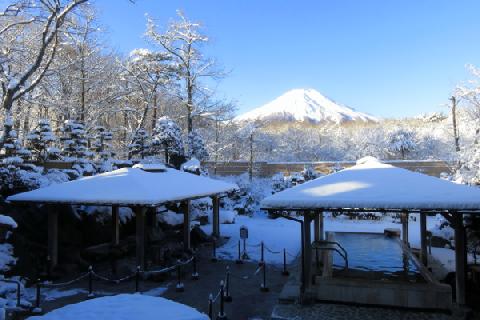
[305,105]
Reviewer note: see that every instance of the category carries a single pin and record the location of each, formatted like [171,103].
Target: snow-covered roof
[128,186]
[371,184]
[125,306]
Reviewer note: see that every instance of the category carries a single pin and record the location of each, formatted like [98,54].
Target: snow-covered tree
[102,148]
[401,143]
[29,38]
[196,146]
[41,141]
[14,172]
[141,144]
[183,41]
[75,146]
[167,135]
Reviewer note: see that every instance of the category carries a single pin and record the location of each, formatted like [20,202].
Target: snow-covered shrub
[227,216]
[7,260]
[247,199]
[171,218]
[309,173]
[278,182]
[442,229]
[196,146]
[103,213]
[167,137]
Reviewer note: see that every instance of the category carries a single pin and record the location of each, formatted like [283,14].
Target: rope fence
[216,301]
[93,276]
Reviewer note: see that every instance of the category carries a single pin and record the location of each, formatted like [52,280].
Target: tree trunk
[454,120]
[154,112]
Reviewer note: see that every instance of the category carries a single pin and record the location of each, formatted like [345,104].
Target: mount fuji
[305,105]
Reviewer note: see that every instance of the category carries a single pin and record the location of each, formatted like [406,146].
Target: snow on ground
[280,233]
[155,292]
[54,294]
[124,306]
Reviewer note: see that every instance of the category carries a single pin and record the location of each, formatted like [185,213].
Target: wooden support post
[115,226]
[140,234]
[186,225]
[460,258]
[322,226]
[423,238]
[216,217]
[308,248]
[404,220]
[316,227]
[53,236]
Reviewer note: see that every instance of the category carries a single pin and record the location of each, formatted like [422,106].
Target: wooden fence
[268,169]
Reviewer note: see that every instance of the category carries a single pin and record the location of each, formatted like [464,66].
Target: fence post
[262,260]
[263,286]
[37,298]
[214,252]
[137,279]
[239,260]
[228,297]
[210,306]
[285,271]
[221,314]
[195,275]
[90,282]
[180,287]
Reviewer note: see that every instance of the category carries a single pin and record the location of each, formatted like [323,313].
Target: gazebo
[141,188]
[372,186]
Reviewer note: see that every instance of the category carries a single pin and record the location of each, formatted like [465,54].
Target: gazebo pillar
[316,226]
[308,248]
[53,236]
[322,226]
[404,220]
[186,225]
[216,217]
[115,225]
[140,235]
[423,238]
[460,258]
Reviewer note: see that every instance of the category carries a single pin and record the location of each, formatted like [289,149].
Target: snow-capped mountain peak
[305,105]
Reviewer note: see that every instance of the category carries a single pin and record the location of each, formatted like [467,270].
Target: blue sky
[387,58]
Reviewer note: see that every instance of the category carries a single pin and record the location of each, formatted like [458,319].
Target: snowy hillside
[305,105]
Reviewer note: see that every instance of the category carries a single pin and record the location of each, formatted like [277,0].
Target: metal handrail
[342,252]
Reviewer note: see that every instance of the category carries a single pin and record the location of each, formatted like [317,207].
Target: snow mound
[305,105]
[7,220]
[150,166]
[124,307]
[368,160]
[191,165]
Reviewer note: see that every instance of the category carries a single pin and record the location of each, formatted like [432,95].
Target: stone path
[348,312]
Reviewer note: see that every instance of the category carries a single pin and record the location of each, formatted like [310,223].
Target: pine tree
[102,148]
[196,146]
[140,145]
[40,141]
[13,169]
[168,136]
[75,147]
